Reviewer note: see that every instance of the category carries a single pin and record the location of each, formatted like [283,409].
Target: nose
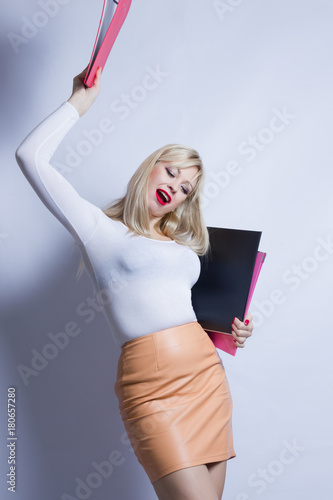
[172,190]
[173,186]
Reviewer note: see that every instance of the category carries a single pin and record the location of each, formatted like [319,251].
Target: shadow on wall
[19,91]
[64,370]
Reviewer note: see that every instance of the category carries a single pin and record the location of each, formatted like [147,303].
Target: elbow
[18,157]
[21,156]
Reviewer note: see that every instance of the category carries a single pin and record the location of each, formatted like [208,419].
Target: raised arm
[34,154]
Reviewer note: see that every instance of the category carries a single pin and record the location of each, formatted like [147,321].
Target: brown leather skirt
[174,400]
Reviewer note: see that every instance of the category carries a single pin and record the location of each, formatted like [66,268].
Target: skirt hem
[192,463]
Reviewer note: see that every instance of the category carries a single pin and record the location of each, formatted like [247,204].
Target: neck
[153,221]
[155,232]
[152,226]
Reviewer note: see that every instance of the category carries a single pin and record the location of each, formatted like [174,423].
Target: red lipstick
[163,197]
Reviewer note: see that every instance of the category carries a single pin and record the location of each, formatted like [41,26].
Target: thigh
[217,471]
[192,483]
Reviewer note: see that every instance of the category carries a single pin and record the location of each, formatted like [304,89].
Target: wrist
[77,103]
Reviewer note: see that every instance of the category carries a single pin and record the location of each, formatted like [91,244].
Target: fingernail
[246,322]
[235,341]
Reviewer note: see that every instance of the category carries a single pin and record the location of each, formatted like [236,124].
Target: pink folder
[225,341]
[113,16]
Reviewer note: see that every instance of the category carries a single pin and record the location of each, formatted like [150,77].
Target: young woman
[142,256]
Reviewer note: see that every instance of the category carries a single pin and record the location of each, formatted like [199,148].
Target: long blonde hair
[185,224]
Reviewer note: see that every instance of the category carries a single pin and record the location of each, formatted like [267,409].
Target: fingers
[248,318]
[242,330]
[78,80]
[93,91]
[97,80]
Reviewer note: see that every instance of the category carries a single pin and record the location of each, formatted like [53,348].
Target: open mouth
[162,196]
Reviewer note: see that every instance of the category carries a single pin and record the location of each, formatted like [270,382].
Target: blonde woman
[142,256]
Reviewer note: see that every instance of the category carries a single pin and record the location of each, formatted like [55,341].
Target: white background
[226,69]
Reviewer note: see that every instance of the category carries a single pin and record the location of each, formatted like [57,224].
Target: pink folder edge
[225,341]
[108,41]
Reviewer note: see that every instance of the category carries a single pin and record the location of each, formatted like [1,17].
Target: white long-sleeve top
[143,284]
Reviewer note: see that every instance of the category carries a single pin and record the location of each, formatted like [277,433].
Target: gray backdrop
[248,84]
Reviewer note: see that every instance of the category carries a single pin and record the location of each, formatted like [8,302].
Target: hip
[176,353]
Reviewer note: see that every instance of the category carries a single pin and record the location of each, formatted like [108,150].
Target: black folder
[227,272]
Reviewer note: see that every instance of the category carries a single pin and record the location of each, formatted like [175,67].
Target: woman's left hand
[242,331]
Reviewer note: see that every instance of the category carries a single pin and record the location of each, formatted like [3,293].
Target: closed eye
[169,172]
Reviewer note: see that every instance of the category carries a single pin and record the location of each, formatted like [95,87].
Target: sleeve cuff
[75,112]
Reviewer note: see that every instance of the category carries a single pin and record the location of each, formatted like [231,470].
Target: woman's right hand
[83,97]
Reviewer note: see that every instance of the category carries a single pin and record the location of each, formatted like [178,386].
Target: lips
[163,197]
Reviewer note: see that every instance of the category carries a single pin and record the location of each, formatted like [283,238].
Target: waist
[169,337]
